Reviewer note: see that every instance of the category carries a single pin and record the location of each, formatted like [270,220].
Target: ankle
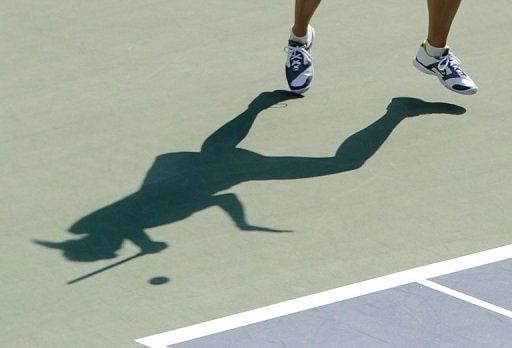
[435,50]
[301,36]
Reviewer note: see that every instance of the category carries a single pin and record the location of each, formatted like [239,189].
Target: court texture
[159,187]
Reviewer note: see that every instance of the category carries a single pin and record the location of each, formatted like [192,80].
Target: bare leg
[440,17]
[304,10]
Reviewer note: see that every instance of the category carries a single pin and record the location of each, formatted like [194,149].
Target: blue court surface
[463,302]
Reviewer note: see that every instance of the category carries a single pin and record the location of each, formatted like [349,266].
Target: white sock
[434,51]
[301,39]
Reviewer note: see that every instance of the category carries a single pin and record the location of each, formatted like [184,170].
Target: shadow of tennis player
[182,183]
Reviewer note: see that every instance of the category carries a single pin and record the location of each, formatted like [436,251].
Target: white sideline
[418,274]
[465,297]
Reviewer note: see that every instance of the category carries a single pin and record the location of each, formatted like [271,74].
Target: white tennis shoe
[447,69]
[299,65]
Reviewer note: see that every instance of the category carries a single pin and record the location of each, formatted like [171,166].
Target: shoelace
[450,60]
[297,55]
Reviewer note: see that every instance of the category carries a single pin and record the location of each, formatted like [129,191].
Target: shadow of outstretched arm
[230,203]
[142,240]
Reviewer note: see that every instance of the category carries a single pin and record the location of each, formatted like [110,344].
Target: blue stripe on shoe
[461,88]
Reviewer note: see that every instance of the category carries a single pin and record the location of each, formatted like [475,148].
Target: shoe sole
[300,91]
[424,70]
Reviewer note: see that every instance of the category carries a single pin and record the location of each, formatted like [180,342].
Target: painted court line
[465,297]
[418,274]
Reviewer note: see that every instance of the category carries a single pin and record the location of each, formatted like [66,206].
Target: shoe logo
[441,72]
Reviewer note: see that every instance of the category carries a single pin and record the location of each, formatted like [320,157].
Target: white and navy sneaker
[447,69]
[299,65]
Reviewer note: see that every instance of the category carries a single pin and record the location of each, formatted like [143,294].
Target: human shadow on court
[179,184]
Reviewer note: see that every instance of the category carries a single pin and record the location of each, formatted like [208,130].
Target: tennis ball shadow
[159,280]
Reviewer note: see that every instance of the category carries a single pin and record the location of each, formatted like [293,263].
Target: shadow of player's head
[82,250]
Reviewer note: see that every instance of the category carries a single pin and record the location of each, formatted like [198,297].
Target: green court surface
[93,92]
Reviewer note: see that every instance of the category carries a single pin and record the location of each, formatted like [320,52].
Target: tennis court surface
[159,187]
[451,309]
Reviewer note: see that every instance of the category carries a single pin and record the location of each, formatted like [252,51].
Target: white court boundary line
[465,297]
[419,274]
